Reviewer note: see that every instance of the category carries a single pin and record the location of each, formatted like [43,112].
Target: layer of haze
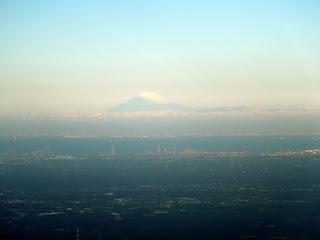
[57,56]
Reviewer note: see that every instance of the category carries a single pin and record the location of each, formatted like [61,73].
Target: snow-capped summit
[153,96]
[148,101]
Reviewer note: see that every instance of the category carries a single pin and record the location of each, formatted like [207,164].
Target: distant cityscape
[158,152]
[171,189]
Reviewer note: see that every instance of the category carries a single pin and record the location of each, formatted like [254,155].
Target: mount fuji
[149,101]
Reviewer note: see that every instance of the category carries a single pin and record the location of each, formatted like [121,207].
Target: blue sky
[62,55]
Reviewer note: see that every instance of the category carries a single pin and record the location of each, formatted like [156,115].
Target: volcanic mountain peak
[148,101]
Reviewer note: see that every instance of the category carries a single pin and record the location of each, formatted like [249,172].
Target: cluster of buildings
[306,152]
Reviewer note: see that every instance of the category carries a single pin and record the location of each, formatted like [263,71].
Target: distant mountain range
[224,109]
[149,101]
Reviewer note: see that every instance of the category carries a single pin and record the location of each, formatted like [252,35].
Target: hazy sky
[90,55]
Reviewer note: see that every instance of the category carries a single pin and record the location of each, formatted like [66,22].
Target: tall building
[158,149]
[113,150]
[77,234]
[76,167]
[174,148]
